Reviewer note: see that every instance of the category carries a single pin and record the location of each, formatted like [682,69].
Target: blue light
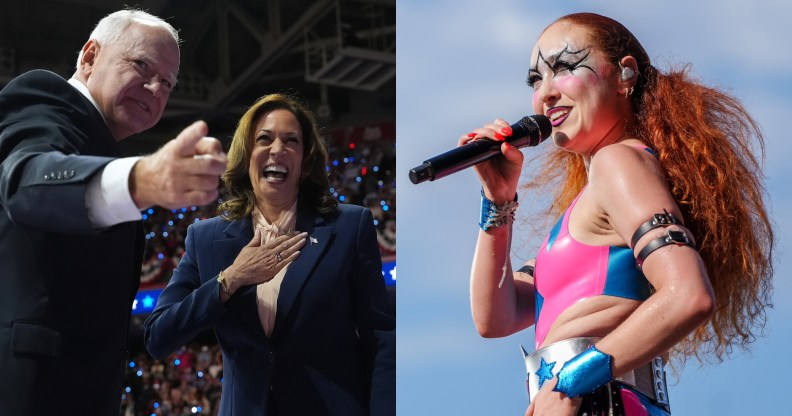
[332,190]
[181,216]
[200,374]
[335,163]
[145,217]
[164,233]
[385,208]
[128,390]
[185,209]
[139,373]
[156,405]
[346,160]
[177,362]
[376,168]
[376,222]
[150,211]
[197,219]
[382,203]
[341,198]
[143,305]
[193,208]
[131,364]
[170,223]
[389,273]
[351,159]
[358,179]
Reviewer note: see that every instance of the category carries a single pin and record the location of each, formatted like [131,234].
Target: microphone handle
[469,154]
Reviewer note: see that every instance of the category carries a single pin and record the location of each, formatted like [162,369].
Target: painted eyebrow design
[555,62]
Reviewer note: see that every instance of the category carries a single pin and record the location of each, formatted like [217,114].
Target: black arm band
[673,237]
[658,220]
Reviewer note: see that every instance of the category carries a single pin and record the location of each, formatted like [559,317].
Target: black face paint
[558,63]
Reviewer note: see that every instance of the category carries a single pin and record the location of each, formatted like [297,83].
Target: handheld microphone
[529,131]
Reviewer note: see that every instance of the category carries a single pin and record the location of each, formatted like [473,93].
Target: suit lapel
[298,273]
[228,245]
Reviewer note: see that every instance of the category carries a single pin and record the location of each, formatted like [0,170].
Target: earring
[627,73]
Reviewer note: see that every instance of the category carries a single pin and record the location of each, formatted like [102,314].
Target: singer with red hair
[662,247]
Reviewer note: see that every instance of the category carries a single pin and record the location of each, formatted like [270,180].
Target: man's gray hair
[112,26]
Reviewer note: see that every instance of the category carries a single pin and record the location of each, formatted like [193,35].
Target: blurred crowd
[188,382]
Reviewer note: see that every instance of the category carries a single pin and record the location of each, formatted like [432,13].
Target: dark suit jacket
[67,290]
[332,350]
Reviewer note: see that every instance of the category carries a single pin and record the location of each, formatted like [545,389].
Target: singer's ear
[628,72]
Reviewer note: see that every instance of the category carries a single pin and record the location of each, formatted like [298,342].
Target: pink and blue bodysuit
[568,271]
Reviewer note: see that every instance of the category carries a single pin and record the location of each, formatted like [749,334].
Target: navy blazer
[67,289]
[332,349]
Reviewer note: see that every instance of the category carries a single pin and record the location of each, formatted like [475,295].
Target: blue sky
[461,64]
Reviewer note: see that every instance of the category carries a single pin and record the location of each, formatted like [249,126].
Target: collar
[76,83]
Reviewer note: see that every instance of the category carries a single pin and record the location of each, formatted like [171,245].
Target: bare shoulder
[621,170]
[628,185]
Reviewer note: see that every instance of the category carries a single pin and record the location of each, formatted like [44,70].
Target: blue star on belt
[545,371]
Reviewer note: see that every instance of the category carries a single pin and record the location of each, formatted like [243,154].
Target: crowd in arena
[188,382]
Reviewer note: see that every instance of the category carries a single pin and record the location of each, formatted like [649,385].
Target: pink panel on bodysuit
[569,273]
[632,404]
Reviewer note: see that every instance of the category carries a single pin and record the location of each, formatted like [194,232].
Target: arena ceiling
[338,55]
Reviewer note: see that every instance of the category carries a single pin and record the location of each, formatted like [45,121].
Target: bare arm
[630,188]
[501,301]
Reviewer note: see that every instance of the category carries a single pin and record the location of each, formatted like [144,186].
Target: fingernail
[508,146]
[499,137]
[507,131]
[471,135]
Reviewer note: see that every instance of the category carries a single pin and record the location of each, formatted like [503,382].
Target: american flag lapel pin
[314,241]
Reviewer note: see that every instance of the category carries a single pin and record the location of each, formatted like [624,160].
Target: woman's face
[276,159]
[577,88]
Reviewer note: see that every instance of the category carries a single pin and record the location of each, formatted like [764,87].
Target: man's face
[131,79]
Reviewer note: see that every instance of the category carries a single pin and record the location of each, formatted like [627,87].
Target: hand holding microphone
[529,131]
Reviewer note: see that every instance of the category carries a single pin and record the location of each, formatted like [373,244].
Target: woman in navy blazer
[289,279]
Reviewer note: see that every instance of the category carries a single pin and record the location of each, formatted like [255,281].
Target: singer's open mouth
[557,115]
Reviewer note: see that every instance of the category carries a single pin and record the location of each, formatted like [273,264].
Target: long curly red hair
[706,142]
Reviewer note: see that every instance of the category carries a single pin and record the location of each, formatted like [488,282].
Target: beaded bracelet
[584,373]
[493,216]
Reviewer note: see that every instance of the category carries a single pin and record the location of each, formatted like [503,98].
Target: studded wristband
[493,216]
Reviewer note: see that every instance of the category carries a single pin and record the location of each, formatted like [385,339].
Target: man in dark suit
[70,237]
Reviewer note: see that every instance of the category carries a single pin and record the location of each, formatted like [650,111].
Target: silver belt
[648,379]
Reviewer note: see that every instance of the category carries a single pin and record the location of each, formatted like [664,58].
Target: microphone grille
[537,122]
